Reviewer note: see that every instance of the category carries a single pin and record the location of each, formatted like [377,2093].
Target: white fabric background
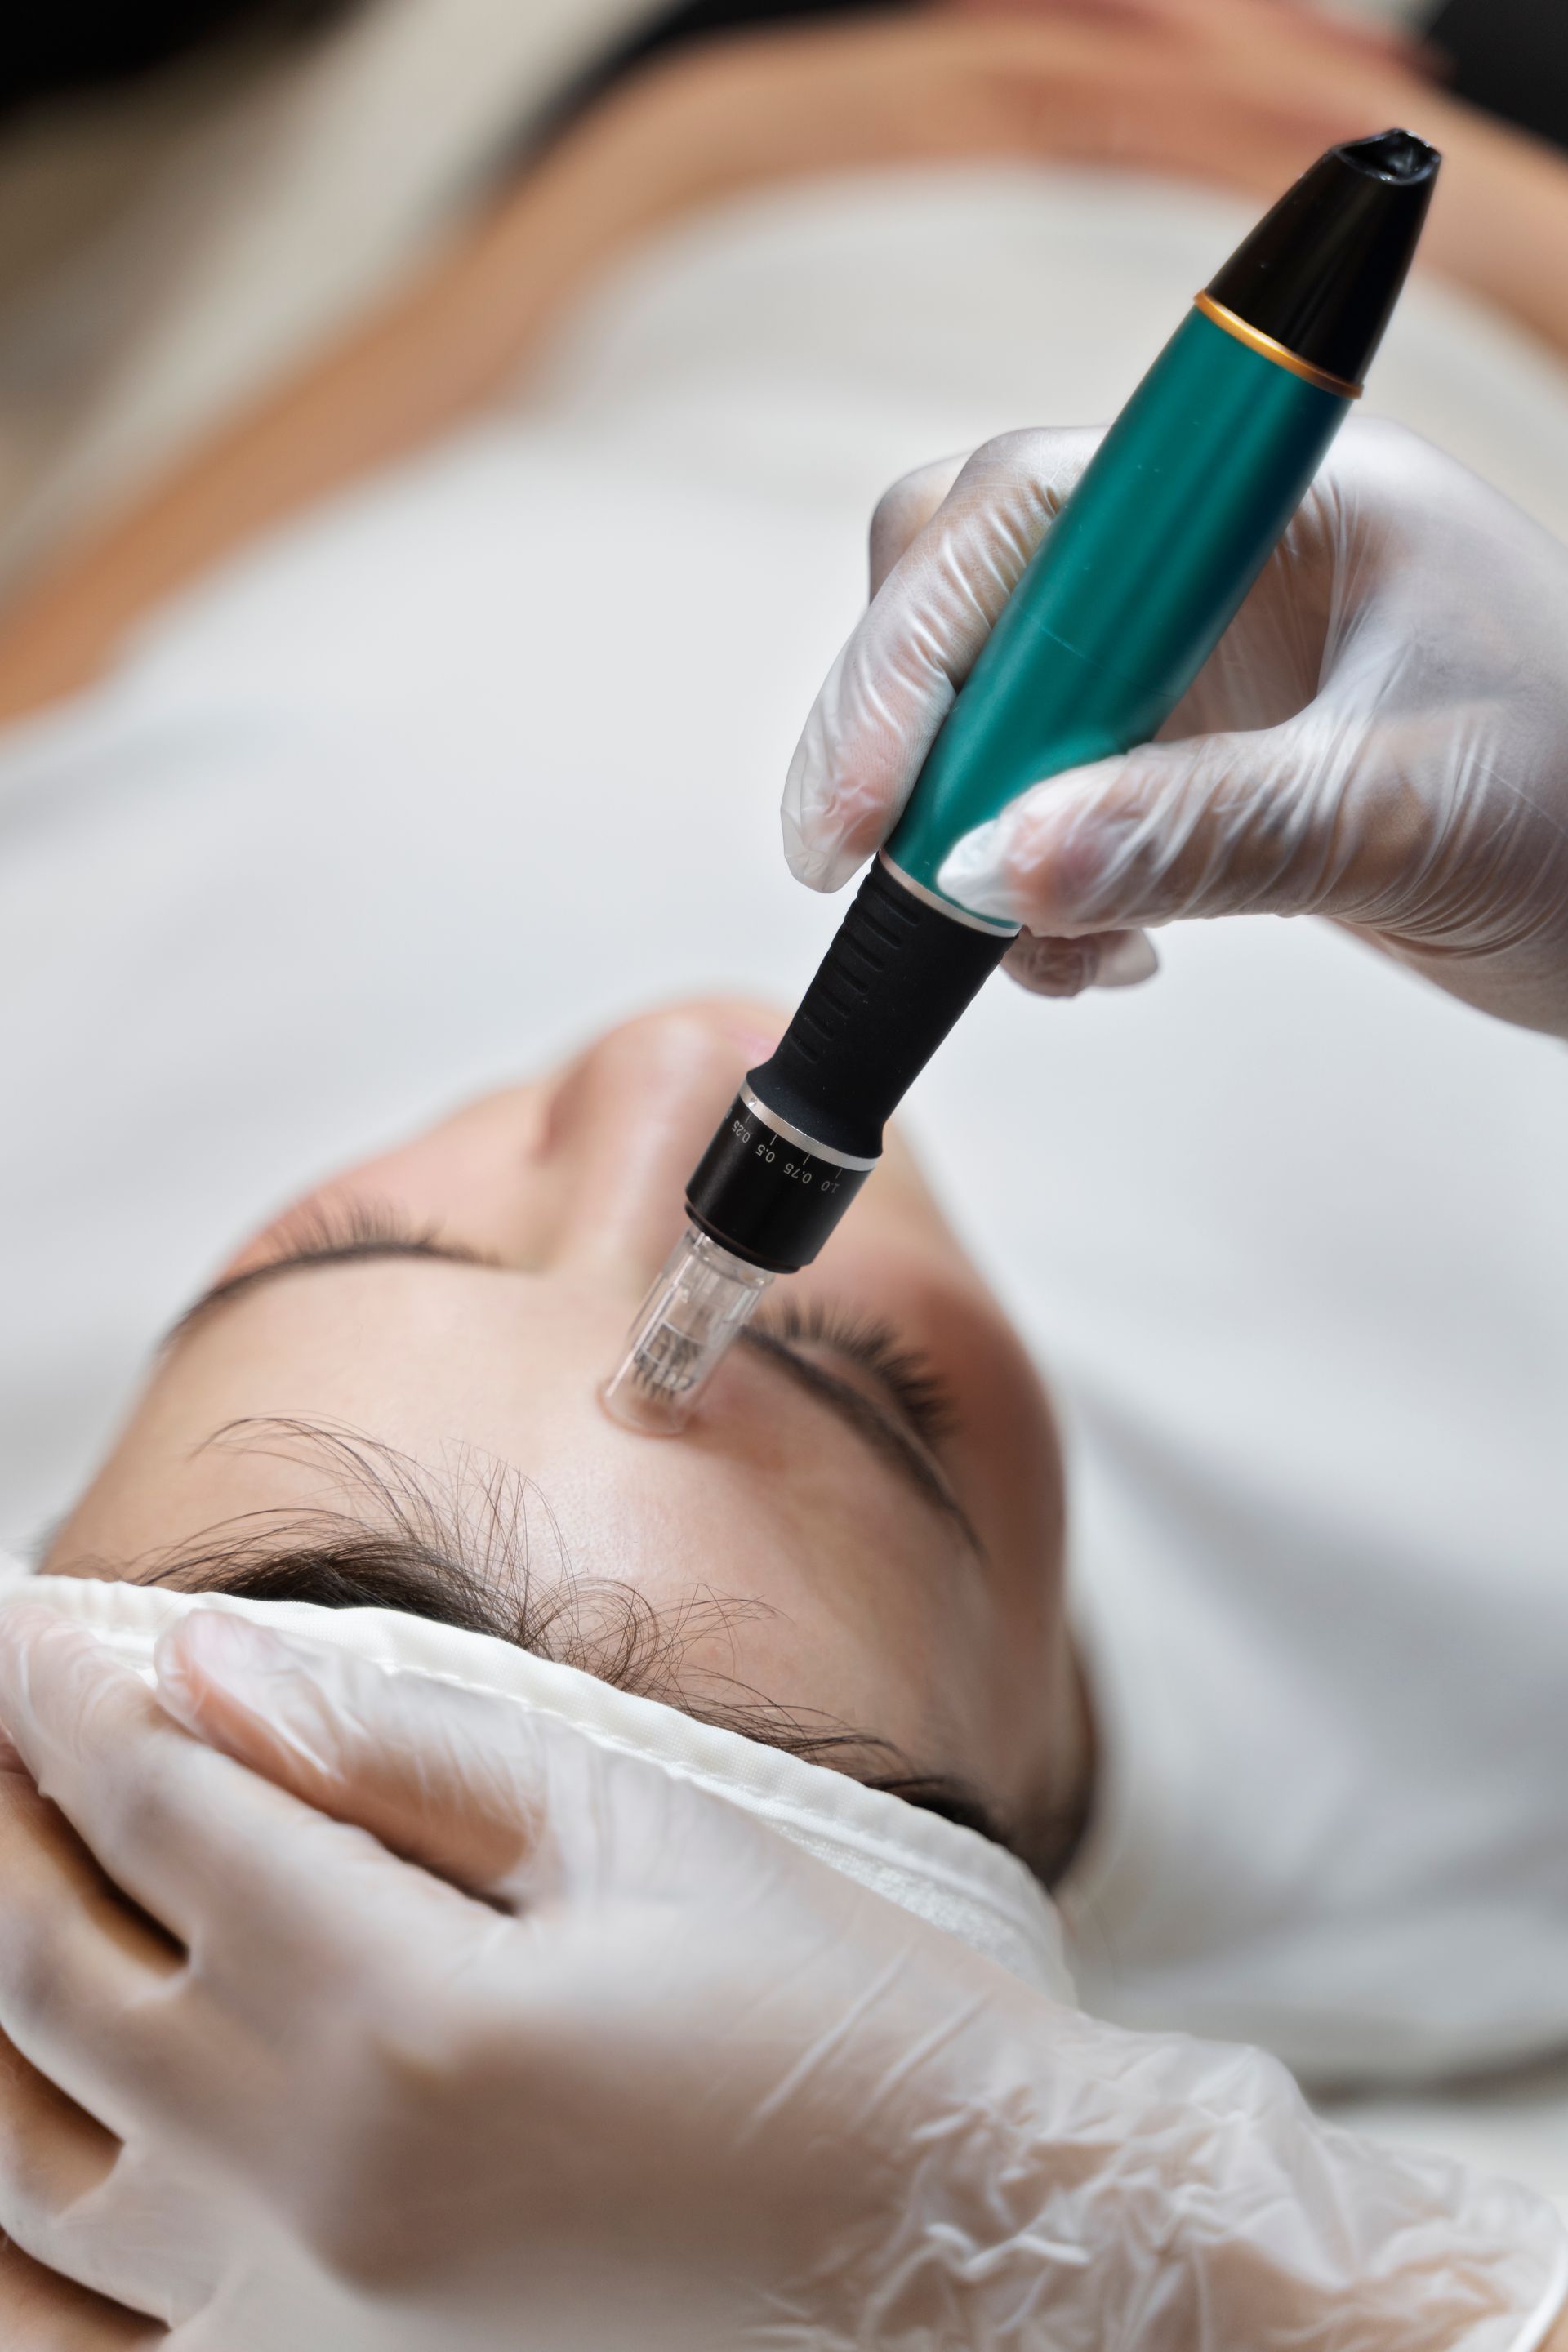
[374,823]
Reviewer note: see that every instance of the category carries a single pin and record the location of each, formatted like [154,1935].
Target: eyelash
[355,1225]
[921,1394]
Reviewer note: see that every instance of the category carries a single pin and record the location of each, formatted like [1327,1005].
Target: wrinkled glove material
[610,2054]
[1381,736]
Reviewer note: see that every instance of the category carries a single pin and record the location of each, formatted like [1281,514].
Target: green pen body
[1126,596]
[1132,586]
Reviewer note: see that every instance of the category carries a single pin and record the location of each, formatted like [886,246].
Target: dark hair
[458,1549]
[87,44]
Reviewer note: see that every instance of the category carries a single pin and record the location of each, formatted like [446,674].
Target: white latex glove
[656,2079]
[1382,735]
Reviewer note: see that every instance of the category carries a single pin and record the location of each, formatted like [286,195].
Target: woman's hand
[1241,92]
[1381,737]
[515,2030]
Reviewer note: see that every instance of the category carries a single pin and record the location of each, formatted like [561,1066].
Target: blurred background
[197,193]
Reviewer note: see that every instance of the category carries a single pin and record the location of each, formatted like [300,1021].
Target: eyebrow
[879,1429]
[405,1573]
[299,1261]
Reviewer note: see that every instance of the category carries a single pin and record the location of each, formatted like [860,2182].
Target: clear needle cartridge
[698,1303]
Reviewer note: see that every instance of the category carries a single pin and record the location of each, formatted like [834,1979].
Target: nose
[587,1169]
[627,1121]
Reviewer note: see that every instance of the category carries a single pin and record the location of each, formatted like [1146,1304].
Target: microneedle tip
[704,1295]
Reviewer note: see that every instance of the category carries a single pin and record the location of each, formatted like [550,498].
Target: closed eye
[909,1378]
[881,1427]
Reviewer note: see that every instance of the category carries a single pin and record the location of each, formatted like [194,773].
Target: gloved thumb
[398,1755]
[1253,822]
[501,1799]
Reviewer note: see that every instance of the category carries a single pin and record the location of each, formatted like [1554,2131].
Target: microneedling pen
[1126,597]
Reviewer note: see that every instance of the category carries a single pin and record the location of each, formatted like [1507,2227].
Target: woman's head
[391,1395]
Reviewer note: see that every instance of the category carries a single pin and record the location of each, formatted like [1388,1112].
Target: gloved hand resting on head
[1382,735]
[532,2042]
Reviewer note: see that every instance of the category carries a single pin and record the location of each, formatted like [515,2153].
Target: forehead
[780,1555]
[475,1375]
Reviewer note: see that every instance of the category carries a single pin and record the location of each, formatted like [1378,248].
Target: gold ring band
[1269,350]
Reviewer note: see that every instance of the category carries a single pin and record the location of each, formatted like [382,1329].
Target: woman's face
[813,1542]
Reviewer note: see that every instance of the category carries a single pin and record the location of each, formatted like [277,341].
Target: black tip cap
[1322,271]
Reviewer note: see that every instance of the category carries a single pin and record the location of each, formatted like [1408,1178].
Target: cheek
[1004,1431]
[1007,1458]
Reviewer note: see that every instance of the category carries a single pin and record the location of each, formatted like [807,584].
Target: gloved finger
[69,2202]
[52,2152]
[903,512]
[1263,823]
[203,1847]
[384,1751]
[42,2313]
[146,2238]
[887,693]
[504,1802]
[93,2212]
[1059,967]
[70,1949]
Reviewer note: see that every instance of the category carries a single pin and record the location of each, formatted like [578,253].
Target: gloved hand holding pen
[1382,736]
[476,2033]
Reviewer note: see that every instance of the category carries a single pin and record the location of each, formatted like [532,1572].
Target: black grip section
[771,1200]
[895,980]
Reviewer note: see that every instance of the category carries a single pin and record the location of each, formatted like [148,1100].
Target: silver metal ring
[945,906]
[807,1143]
